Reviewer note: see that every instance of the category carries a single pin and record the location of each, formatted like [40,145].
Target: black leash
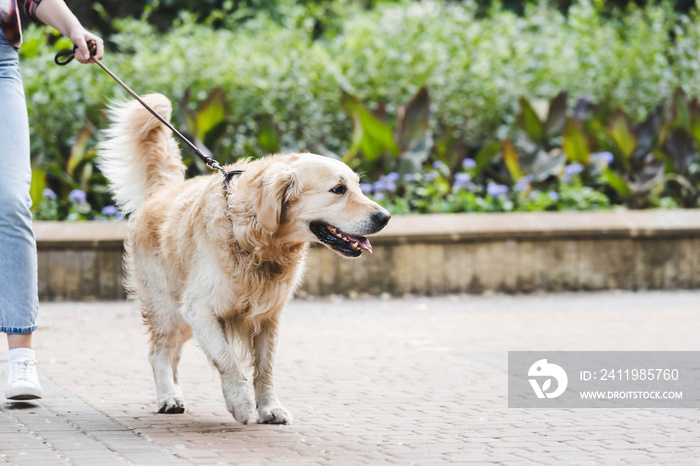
[69,55]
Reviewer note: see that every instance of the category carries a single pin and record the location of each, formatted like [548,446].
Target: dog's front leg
[270,410]
[210,336]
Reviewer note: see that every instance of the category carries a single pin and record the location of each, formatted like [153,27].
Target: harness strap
[227,179]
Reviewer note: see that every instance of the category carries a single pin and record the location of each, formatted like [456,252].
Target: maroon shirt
[9,18]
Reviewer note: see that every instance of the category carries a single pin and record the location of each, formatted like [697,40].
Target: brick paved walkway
[403,381]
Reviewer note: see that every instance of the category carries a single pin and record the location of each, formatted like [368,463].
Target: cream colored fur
[220,269]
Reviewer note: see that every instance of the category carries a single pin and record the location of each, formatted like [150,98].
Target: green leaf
[86,175]
[189,117]
[350,102]
[575,143]
[680,113]
[376,137]
[681,150]
[510,156]
[485,155]
[694,108]
[355,143]
[79,149]
[30,48]
[413,122]
[57,171]
[413,159]
[649,132]
[650,177]
[36,190]
[622,132]
[268,137]
[617,183]
[444,147]
[546,165]
[556,115]
[530,122]
[211,113]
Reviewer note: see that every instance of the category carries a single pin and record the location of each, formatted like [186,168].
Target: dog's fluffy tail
[139,153]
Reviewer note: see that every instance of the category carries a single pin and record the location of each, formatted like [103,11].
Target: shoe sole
[24,397]
[23,393]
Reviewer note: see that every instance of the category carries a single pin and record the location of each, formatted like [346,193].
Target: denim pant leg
[19,300]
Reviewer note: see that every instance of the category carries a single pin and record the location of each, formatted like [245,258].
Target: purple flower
[462,181]
[521,185]
[430,176]
[393,176]
[495,190]
[409,177]
[573,169]
[379,197]
[468,164]
[110,211]
[78,196]
[553,195]
[366,188]
[49,194]
[384,184]
[605,158]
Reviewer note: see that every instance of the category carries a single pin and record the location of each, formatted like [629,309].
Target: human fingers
[82,54]
[100,49]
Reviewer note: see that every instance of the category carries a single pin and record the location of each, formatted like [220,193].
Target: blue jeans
[19,301]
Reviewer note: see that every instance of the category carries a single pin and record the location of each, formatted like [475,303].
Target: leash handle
[68,54]
[64,57]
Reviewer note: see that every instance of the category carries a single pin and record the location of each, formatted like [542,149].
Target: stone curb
[446,227]
[434,254]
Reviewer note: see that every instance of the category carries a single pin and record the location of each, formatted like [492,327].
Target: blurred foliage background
[443,106]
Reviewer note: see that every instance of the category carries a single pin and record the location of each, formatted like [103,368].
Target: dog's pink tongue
[363,243]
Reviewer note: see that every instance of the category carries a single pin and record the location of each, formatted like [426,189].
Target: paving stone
[401,381]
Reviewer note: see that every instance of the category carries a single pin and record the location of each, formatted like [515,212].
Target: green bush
[282,82]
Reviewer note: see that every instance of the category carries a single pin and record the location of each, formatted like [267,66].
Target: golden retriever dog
[221,266]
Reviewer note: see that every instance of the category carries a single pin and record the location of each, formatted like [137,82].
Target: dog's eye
[340,189]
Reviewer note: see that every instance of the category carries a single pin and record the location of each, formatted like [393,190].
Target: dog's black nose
[381,218]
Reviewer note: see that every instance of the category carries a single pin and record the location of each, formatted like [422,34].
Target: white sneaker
[23,381]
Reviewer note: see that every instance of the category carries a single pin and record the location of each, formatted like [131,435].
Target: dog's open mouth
[344,243]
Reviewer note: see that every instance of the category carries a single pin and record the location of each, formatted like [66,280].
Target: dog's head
[309,198]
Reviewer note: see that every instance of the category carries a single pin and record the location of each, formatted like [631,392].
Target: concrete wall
[435,254]
[80,261]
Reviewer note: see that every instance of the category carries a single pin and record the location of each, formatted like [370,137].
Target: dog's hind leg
[211,337]
[270,410]
[166,349]
[147,279]
[164,356]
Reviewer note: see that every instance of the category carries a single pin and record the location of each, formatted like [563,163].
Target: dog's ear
[278,188]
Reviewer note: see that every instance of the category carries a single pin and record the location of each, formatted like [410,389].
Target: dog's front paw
[274,414]
[242,406]
[171,404]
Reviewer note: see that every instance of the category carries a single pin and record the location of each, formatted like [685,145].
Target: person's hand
[80,38]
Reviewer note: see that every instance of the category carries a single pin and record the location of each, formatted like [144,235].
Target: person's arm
[55,13]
